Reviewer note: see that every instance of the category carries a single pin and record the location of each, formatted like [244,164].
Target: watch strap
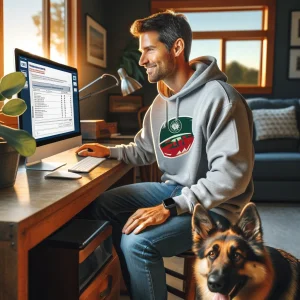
[171,207]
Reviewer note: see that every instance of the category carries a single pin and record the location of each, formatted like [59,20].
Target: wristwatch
[170,204]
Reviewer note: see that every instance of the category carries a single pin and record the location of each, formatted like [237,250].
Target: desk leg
[9,271]
[23,272]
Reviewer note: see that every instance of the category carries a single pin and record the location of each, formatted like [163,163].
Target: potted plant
[129,60]
[13,142]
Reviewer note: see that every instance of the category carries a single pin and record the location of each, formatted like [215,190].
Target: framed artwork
[294,69]
[96,43]
[130,103]
[295,28]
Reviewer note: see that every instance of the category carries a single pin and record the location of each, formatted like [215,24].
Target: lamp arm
[101,91]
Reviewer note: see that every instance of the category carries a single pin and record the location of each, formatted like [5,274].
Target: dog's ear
[250,223]
[201,222]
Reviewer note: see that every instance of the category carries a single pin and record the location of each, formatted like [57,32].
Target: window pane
[206,47]
[243,62]
[22,29]
[229,20]
[57,31]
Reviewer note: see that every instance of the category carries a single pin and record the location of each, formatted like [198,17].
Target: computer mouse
[63,174]
[84,151]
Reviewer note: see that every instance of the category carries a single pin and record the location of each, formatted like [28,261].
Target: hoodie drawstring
[177,111]
[166,122]
[177,108]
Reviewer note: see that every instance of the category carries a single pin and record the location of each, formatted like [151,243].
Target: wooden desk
[36,207]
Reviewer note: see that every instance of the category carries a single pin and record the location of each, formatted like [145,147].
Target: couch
[276,171]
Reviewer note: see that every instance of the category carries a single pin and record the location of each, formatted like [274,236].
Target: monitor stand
[35,162]
[45,166]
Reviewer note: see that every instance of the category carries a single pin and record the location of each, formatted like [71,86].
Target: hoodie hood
[206,69]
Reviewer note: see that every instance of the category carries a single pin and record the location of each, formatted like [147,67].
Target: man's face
[159,62]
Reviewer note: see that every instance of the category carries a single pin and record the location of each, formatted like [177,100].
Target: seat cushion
[277,166]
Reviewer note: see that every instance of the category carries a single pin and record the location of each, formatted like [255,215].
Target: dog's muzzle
[220,285]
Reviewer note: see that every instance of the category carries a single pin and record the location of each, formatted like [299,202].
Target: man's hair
[169,25]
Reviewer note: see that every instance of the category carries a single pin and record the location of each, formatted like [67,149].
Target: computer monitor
[52,115]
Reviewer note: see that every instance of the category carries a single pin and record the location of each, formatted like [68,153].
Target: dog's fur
[235,264]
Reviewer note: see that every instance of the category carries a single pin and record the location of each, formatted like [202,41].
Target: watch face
[169,201]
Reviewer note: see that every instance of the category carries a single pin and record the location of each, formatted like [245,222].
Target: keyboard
[87,164]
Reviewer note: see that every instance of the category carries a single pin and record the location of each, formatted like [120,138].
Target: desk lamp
[128,84]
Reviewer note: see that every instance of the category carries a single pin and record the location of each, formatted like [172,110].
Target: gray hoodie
[201,138]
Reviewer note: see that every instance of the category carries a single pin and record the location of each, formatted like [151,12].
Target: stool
[189,282]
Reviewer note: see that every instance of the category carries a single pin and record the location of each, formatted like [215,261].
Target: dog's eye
[212,254]
[237,257]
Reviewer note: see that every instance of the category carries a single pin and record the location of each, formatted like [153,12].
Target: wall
[117,16]
[122,15]
[94,107]
[282,86]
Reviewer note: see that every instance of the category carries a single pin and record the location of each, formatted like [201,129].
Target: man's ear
[250,223]
[178,47]
[202,223]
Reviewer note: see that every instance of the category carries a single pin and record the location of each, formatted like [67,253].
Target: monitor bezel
[19,52]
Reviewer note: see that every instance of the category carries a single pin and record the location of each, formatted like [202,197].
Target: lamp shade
[128,84]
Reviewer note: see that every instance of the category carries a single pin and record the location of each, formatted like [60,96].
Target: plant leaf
[128,66]
[11,84]
[136,55]
[2,98]
[140,75]
[14,107]
[20,140]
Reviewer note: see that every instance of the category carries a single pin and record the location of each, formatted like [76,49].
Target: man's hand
[93,149]
[145,217]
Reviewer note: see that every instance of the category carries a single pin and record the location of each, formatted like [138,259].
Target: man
[199,130]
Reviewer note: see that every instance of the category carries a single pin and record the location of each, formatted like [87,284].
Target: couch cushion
[275,145]
[265,103]
[277,166]
[275,123]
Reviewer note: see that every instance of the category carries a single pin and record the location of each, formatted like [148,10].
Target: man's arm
[139,153]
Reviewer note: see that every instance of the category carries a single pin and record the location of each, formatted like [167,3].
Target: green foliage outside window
[240,74]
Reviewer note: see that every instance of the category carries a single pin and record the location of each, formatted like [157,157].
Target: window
[39,28]
[23,34]
[49,28]
[240,36]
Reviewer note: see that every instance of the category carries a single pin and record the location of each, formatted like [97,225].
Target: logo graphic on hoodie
[177,137]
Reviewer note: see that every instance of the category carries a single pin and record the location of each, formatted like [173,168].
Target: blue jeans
[141,254]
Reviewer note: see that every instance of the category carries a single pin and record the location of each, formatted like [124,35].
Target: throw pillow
[275,123]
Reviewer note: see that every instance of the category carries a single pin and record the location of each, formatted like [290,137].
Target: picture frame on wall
[121,104]
[295,28]
[294,65]
[96,42]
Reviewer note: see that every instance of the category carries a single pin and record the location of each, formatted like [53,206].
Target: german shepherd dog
[234,263]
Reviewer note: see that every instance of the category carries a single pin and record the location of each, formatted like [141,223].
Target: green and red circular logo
[177,137]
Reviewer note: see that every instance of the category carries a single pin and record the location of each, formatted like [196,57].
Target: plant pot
[9,162]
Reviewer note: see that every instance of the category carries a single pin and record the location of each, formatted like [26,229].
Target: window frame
[266,35]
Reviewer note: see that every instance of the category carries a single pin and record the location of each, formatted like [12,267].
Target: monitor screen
[51,95]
